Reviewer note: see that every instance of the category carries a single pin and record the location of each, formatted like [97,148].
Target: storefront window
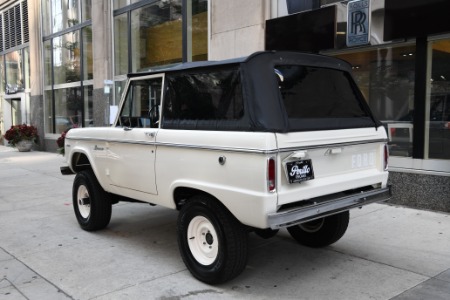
[14,72]
[48,62]
[198,30]
[438,103]
[88,72]
[49,110]
[121,44]
[68,109]
[156,35]
[86,7]
[65,14]
[26,54]
[62,14]
[88,107]
[386,78]
[66,58]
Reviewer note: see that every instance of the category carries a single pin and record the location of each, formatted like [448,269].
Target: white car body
[256,144]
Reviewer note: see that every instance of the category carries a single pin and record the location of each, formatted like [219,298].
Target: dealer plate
[300,170]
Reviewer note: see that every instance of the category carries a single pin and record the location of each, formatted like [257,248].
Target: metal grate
[14,26]
[25,31]
[1,33]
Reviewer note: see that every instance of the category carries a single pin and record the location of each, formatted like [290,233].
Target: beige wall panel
[237,27]
[234,14]
[222,46]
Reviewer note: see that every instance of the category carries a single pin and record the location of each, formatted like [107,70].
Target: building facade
[63,63]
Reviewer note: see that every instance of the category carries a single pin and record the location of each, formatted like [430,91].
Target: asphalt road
[388,252]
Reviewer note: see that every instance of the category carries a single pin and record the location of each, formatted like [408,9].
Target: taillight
[386,157]
[271,175]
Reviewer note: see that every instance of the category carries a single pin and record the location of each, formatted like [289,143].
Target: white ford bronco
[274,140]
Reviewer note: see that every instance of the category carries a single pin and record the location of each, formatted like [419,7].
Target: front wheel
[212,243]
[90,202]
[321,232]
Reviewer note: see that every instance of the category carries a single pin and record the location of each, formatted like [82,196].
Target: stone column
[36,71]
[102,49]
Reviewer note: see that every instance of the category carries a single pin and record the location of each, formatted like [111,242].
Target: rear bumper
[326,206]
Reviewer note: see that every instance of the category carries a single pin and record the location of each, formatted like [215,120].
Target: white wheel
[83,200]
[91,203]
[202,240]
[213,244]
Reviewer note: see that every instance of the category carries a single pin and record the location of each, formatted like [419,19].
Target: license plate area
[299,171]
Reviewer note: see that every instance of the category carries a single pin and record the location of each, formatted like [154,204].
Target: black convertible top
[261,58]
[266,105]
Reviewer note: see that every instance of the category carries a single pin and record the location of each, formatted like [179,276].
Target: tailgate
[315,164]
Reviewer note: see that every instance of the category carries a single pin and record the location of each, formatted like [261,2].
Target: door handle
[150,134]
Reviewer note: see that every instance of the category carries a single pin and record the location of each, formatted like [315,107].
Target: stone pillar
[36,71]
[237,27]
[102,45]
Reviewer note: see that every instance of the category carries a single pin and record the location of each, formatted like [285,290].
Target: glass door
[16,112]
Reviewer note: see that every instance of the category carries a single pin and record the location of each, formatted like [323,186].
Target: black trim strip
[420,91]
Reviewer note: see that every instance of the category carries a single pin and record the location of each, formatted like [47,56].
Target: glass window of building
[386,78]
[48,63]
[121,44]
[88,66]
[437,138]
[86,8]
[157,36]
[68,64]
[197,32]
[14,72]
[66,58]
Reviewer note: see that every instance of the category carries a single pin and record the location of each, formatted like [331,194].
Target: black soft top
[264,109]
[257,60]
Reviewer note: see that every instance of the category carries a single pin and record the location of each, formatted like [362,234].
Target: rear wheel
[212,243]
[90,202]
[321,232]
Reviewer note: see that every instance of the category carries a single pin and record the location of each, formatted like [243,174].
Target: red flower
[21,132]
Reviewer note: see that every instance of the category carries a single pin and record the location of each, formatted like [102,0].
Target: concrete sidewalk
[387,253]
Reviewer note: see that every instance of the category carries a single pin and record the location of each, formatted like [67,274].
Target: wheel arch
[80,161]
[182,194]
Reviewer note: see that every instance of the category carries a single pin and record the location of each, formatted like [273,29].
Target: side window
[141,105]
[203,98]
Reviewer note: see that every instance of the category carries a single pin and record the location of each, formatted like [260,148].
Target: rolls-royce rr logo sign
[358,22]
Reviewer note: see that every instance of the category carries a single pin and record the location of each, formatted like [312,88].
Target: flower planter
[24,145]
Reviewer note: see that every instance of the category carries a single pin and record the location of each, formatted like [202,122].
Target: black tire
[212,242]
[266,233]
[321,232]
[91,203]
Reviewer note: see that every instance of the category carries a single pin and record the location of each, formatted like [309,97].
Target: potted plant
[60,142]
[22,136]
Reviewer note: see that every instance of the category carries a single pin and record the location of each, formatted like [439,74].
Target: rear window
[318,98]
[311,92]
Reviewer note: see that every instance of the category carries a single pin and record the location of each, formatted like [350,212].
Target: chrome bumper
[325,207]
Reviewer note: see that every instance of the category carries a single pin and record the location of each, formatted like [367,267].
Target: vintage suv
[273,140]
